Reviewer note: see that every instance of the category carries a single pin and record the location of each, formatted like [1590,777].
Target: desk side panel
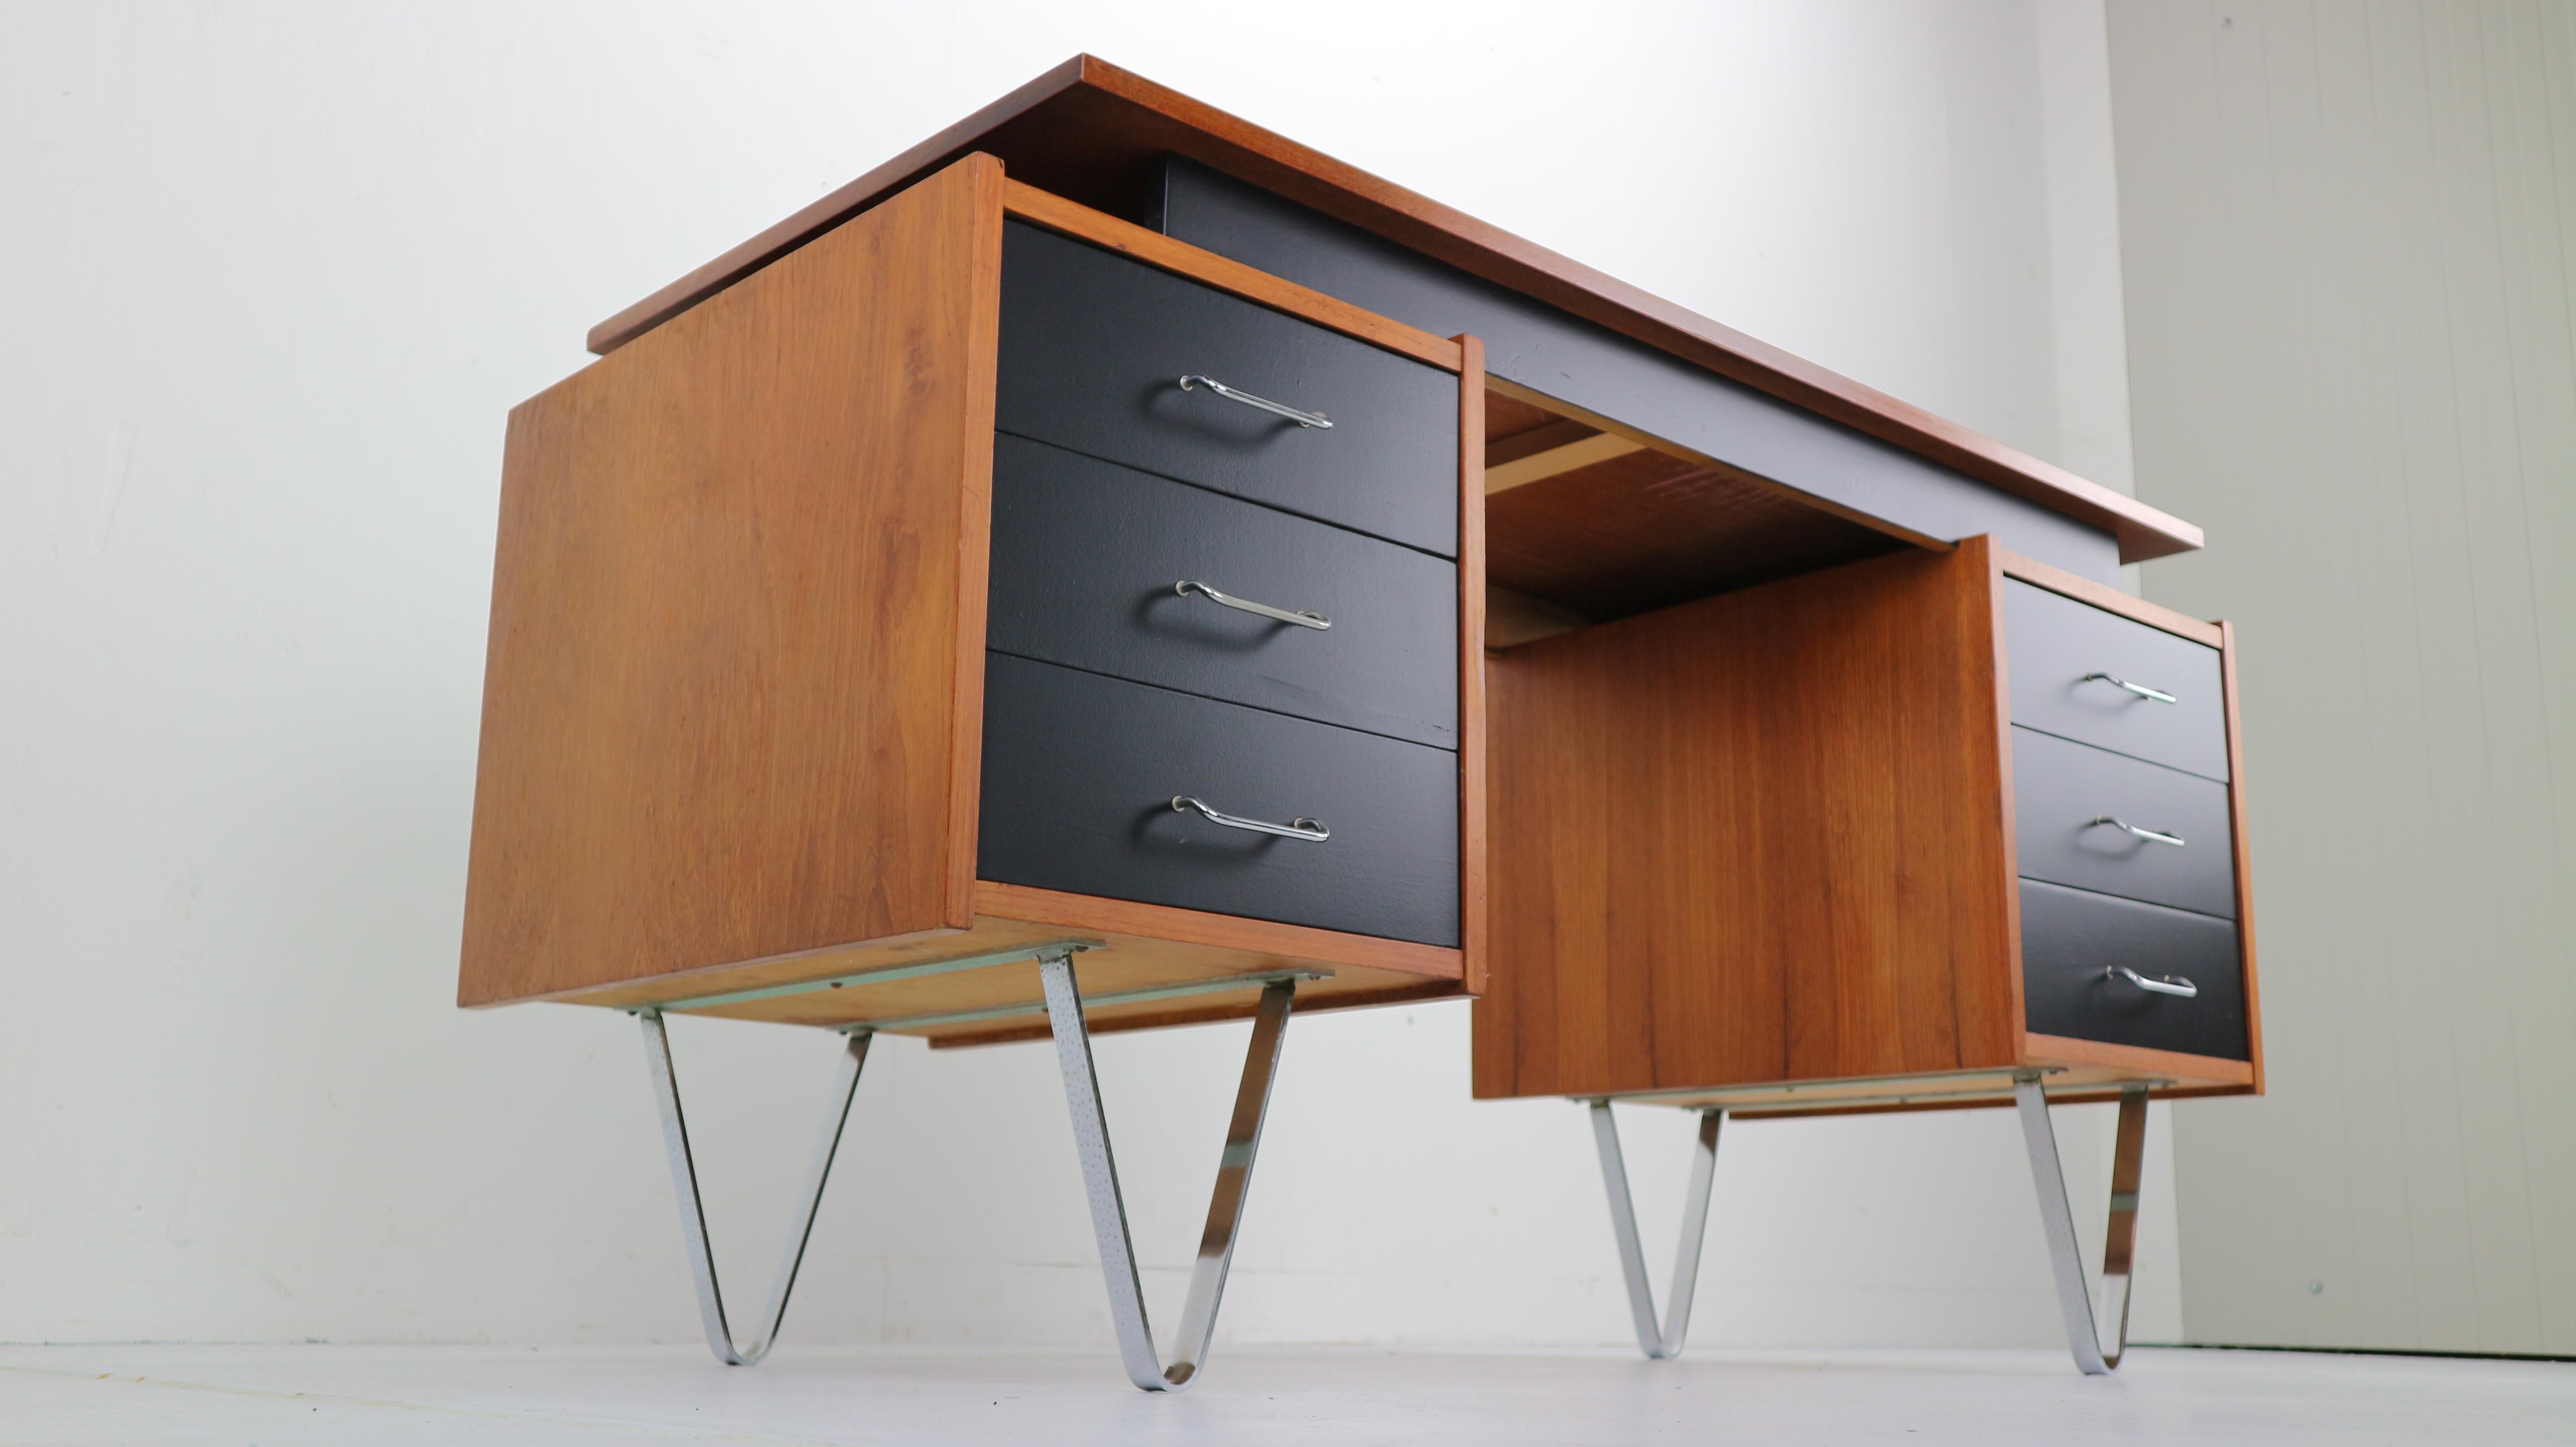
[733,702]
[1755,838]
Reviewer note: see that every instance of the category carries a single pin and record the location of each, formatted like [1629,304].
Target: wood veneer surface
[669,809]
[1098,134]
[2244,861]
[1647,530]
[733,701]
[1754,838]
[1126,963]
[1139,946]
[1474,740]
[1757,851]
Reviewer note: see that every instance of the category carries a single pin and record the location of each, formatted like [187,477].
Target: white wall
[2351,245]
[270,277]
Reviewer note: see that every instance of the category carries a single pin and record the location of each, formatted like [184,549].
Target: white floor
[274,1396]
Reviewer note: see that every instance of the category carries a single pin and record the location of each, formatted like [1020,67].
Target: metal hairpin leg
[1666,1343]
[693,1216]
[1100,1178]
[2096,1352]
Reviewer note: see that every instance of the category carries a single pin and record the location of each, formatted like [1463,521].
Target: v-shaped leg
[1665,1343]
[693,1216]
[2097,1342]
[1109,1210]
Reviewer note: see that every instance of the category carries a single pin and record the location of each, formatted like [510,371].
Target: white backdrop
[2352,244]
[270,276]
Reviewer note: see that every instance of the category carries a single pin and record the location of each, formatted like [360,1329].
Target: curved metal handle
[1316,621]
[2140,689]
[1276,409]
[1300,828]
[2174,985]
[2154,835]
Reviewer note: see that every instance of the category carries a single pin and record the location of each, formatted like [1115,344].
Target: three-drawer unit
[2124,824]
[1887,834]
[1223,629]
[988,572]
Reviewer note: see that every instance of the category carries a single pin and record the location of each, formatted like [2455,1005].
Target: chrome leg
[1100,1178]
[2097,1350]
[1666,1343]
[693,1216]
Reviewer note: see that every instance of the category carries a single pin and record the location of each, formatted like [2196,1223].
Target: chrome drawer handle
[1276,409]
[1316,621]
[2174,985]
[2140,689]
[2156,835]
[1294,829]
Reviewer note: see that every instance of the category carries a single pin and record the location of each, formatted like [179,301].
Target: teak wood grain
[2084,1072]
[1623,529]
[1152,1017]
[2220,636]
[2111,600]
[1508,445]
[732,705]
[1516,428]
[1141,944]
[2135,1062]
[2244,862]
[1093,132]
[1645,529]
[1758,851]
[1752,838]
[734,710]
[1473,739]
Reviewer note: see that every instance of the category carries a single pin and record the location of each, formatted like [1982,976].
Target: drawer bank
[1083,575]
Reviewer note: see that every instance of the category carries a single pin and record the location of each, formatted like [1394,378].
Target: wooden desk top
[1097,134]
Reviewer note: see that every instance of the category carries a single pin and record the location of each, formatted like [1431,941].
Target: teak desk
[1112,567]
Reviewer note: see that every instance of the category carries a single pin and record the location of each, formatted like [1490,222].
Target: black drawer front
[2069,938]
[1086,553]
[1093,350]
[1079,774]
[2060,788]
[2054,642]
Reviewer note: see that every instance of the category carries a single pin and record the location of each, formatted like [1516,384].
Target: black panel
[1079,774]
[2054,642]
[2059,788]
[1093,350]
[2070,937]
[1085,554]
[1564,356]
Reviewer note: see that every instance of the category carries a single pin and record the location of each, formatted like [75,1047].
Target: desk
[1086,574]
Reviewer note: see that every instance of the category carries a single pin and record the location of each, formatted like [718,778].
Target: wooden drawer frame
[2095,1055]
[692,799]
[1719,969]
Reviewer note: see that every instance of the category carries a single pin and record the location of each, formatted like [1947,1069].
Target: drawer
[2061,788]
[1093,349]
[1086,556]
[2056,644]
[1080,772]
[2069,940]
